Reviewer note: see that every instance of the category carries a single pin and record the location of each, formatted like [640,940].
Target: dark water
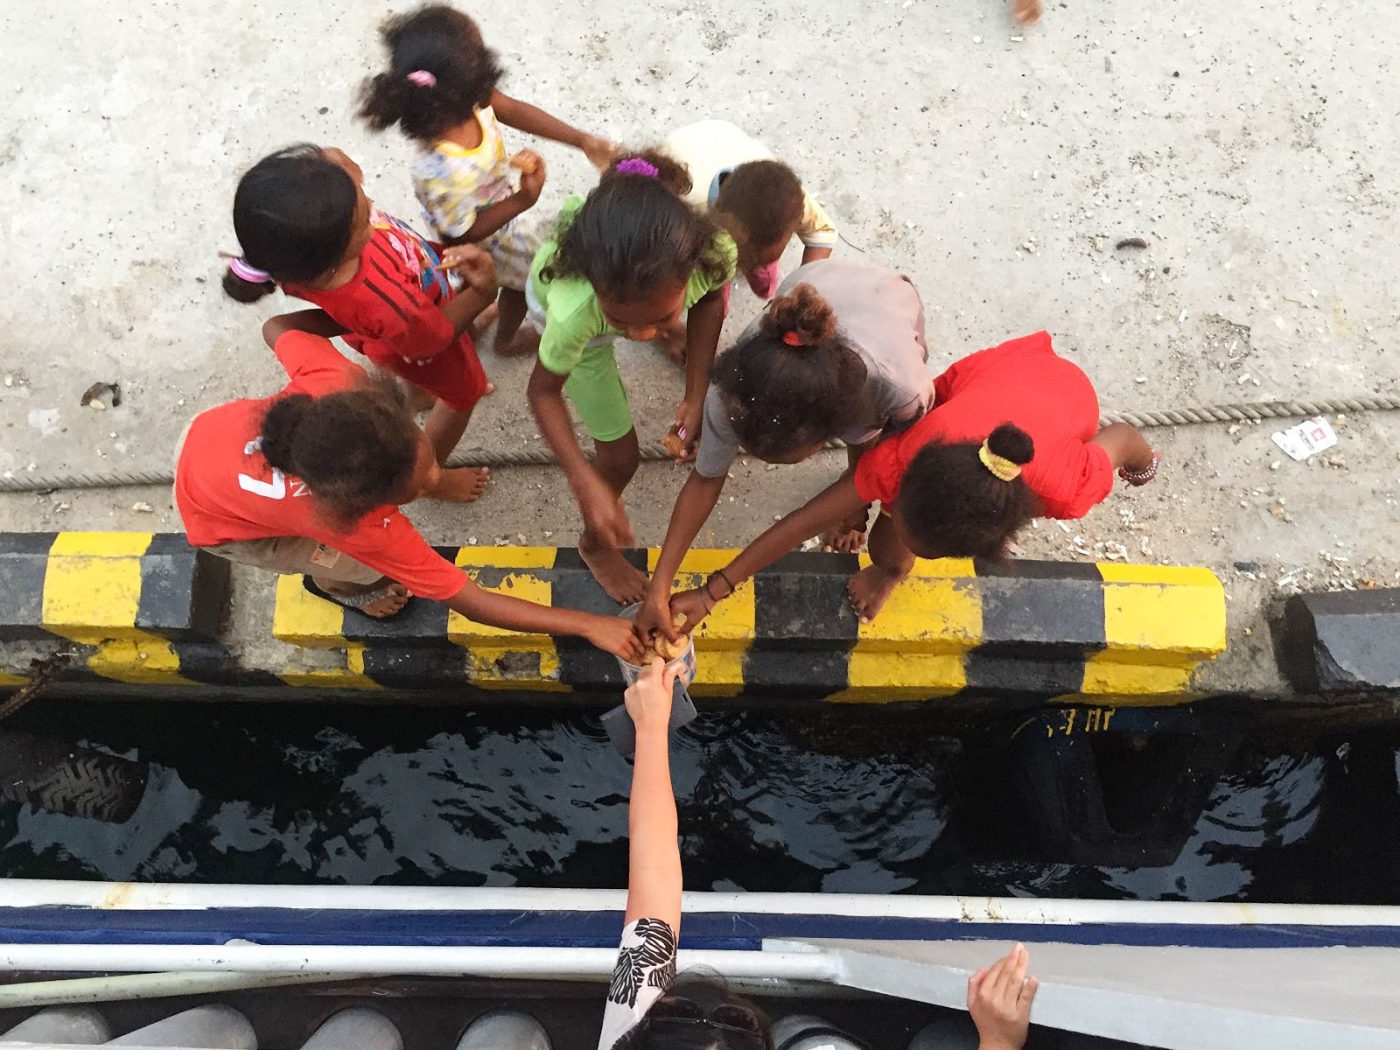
[832,801]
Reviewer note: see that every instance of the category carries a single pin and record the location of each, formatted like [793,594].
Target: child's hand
[689,418]
[532,173]
[999,1000]
[600,152]
[475,266]
[694,605]
[656,618]
[615,635]
[648,699]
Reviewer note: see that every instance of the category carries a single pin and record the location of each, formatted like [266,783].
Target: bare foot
[391,603]
[526,341]
[490,389]
[624,582]
[460,484]
[870,589]
[844,541]
[484,320]
[1025,11]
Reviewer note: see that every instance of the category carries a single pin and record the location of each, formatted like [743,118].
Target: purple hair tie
[637,166]
[423,78]
[246,271]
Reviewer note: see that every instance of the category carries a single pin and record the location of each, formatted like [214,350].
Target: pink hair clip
[246,271]
[423,78]
[636,166]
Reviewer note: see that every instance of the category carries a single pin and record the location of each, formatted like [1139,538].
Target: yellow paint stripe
[883,677]
[300,618]
[349,676]
[12,679]
[507,557]
[1162,615]
[731,626]
[92,585]
[148,661]
[938,609]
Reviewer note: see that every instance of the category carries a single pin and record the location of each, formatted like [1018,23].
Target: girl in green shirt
[627,261]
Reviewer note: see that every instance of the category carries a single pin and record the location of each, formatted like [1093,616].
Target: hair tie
[423,78]
[246,271]
[792,338]
[1003,468]
[637,166]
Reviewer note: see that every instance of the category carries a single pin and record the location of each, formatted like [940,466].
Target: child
[309,481]
[440,89]
[755,197]
[1013,435]
[840,353]
[626,261]
[304,222]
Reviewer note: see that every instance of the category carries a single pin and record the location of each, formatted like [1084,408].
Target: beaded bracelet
[1141,477]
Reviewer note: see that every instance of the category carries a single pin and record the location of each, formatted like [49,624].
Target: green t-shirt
[573,315]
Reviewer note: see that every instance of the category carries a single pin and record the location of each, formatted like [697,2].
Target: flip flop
[355,603]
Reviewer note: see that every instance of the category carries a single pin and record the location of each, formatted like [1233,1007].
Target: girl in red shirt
[310,481]
[1013,434]
[304,223]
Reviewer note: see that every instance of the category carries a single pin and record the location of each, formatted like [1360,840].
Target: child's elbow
[273,329]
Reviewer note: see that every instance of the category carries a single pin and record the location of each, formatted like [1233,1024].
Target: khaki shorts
[290,555]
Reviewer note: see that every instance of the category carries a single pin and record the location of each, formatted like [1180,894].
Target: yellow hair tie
[1002,467]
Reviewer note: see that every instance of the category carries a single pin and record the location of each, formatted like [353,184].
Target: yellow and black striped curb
[132,595]
[145,609]
[1038,628]
[1342,641]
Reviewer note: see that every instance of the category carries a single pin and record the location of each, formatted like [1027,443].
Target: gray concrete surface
[1252,145]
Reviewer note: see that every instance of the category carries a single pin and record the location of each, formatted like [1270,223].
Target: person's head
[439,72]
[699,1012]
[760,203]
[637,242]
[966,500]
[298,214]
[356,449]
[795,384]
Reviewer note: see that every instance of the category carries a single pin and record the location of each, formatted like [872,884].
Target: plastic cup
[684,665]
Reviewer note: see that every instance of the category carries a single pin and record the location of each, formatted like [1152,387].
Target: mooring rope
[1238,412]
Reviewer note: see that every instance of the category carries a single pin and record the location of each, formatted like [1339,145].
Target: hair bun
[1011,442]
[801,318]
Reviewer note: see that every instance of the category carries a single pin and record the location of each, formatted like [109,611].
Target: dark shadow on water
[828,800]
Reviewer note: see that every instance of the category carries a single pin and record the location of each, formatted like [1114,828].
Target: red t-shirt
[393,310]
[226,491]
[1022,382]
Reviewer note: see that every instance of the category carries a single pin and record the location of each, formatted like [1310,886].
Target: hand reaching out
[532,173]
[600,152]
[475,266]
[999,999]
[648,699]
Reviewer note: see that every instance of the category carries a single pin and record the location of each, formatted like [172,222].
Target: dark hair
[440,40]
[355,449]
[677,1020]
[782,397]
[293,213]
[952,506]
[635,233]
[765,197]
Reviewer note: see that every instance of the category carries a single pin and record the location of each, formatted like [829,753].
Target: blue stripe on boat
[593,929]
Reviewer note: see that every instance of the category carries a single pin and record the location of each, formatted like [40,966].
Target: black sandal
[356,602]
